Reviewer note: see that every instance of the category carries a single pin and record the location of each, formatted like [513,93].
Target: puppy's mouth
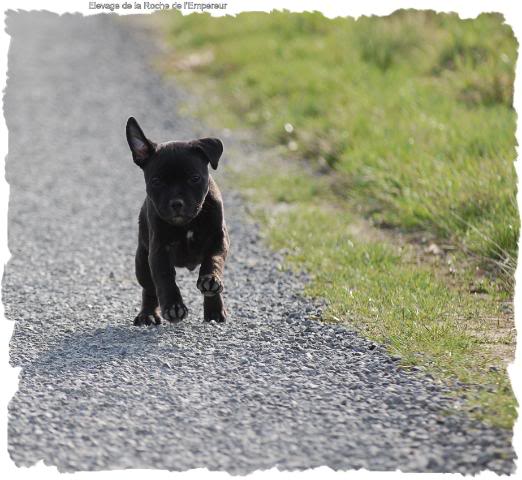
[180,219]
[185,218]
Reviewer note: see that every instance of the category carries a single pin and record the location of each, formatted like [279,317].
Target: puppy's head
[176,173]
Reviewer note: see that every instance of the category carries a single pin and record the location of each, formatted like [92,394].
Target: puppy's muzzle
[176,205]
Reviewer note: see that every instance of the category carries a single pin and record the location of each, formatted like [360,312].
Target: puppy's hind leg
[149,301]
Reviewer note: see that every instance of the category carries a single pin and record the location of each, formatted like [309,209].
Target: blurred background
[413,111]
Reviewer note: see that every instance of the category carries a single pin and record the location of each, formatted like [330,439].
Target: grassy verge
[411,112]
[409,121]
[421,311]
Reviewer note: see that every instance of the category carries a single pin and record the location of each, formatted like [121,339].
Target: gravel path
[269,388]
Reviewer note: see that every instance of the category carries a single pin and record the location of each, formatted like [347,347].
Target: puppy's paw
[218,316]
[175,312]
[210,285]
[147,318]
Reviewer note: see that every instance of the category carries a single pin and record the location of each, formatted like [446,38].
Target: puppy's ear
[212,149]
[141,147]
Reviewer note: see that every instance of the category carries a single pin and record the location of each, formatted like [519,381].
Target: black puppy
[181,224]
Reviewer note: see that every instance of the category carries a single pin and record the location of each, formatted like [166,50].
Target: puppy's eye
[155,181]
[195,179]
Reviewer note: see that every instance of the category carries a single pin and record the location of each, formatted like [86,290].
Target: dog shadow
[91,349]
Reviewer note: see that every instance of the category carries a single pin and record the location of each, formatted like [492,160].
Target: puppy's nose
[176,204]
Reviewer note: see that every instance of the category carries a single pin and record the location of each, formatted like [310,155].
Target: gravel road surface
[270,388]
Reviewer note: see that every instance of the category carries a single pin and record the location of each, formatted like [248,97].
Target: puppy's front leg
[210,281]
[164,276]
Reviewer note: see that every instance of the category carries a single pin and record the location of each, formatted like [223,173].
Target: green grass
[378,288]
[412,113]
[408,119]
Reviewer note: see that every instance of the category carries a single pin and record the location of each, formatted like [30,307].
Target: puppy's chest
[185,251]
